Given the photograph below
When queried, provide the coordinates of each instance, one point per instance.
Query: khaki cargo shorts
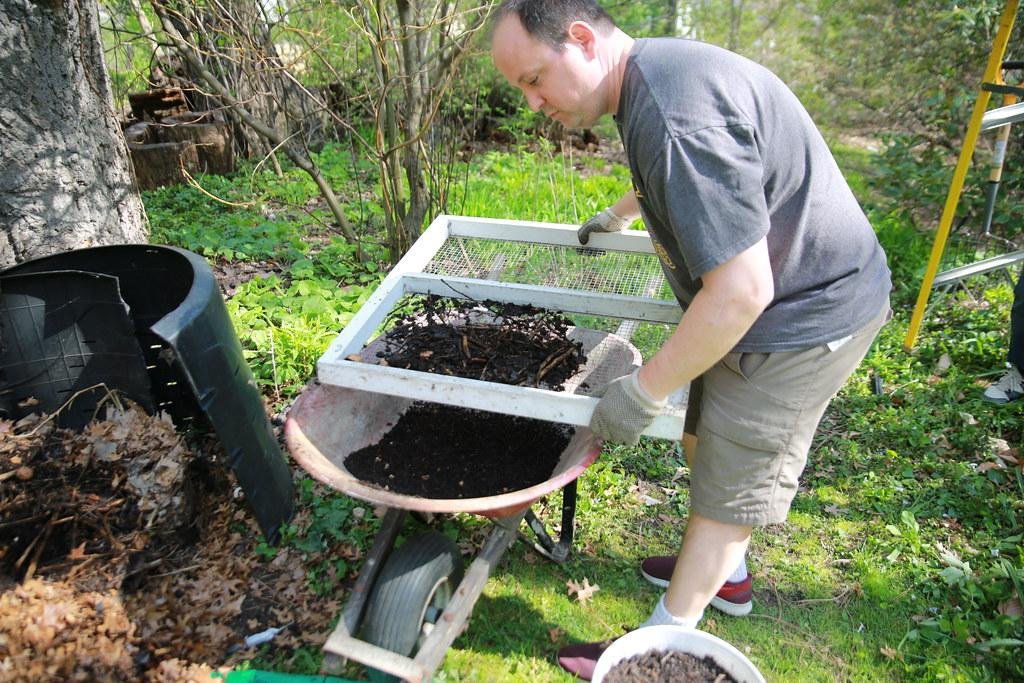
(754, 415)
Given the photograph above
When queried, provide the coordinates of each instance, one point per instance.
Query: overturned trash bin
(149, 322)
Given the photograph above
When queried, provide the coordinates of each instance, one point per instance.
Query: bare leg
(689, 447)
(711, 552)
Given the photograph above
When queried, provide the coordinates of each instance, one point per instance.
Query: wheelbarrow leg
(342, 644)
(355, 607)
(456, 614)
(557, 551)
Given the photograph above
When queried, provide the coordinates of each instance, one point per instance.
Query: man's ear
(581, 33)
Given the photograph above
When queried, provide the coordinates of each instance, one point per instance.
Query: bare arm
(731, 298)
(626, 207)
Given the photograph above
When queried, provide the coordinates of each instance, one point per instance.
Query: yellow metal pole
(993, 73)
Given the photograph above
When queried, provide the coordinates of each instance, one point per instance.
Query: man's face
(564, 85)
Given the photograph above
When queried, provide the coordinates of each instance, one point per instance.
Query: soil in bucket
(673, 666)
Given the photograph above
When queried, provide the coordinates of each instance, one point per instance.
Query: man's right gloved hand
(624, 411)
(606, 221)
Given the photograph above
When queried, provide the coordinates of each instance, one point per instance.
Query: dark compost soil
(491, 341)
(438, 451)
(659, 666)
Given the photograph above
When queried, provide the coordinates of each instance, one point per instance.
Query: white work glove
(624, 411)
(606, 221)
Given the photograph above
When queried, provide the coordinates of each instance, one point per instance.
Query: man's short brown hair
(548, 20)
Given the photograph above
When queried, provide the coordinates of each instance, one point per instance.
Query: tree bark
(65, 177)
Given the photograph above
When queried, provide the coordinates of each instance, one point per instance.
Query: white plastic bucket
(690, 641)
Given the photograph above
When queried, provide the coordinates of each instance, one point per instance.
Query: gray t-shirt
(722, 153)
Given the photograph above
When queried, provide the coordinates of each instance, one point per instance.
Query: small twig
(28, 550)
(16, 522)
(54, 414)
(147, 566)
(78, 567)
(106, 507)
(177, 571)
(194, 183)
(38, 553)
(553, 360)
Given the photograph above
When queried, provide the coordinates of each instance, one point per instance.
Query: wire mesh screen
(529, 263)
(577, 268)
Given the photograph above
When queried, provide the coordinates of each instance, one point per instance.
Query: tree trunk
(65, 178)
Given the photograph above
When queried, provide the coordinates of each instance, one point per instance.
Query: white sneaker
(1010, 387)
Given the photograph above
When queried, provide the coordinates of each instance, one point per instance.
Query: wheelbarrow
(410, 603)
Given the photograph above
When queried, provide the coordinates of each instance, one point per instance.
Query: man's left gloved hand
(606, 221)
(624, 411)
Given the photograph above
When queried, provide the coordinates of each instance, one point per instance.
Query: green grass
(538, 185)
(900, 561)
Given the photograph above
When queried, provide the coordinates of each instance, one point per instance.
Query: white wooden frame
(407, 277)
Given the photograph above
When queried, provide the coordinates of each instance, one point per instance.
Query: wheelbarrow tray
(327, 423)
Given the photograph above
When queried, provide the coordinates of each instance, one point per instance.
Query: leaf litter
(125, 556)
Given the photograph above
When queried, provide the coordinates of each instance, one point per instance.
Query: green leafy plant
(285, 327)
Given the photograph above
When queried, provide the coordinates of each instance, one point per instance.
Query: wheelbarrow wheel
(415, 584)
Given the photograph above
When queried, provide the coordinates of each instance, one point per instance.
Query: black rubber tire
(422, 573)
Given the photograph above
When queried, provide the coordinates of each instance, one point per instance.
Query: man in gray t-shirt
(783, 282)
(722, 155)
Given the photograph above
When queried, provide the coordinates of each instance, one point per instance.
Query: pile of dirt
(659, 666)
(437, 451)
(125, 555)
(490, 341)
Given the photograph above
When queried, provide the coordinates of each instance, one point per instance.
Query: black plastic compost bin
(150, 322)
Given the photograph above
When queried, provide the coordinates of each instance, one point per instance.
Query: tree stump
(140, 133)
(160, 164)
(211, 138)
(153, 105)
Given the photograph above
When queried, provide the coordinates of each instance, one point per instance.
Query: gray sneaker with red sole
(732, 598)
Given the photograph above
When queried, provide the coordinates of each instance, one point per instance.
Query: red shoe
(580, 660)
(732, 598)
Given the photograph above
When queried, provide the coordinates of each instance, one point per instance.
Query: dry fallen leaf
(890, 653)
(968, 419)
(555, 634)
(1004, 451)
(1011, 608)
(582, 592)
